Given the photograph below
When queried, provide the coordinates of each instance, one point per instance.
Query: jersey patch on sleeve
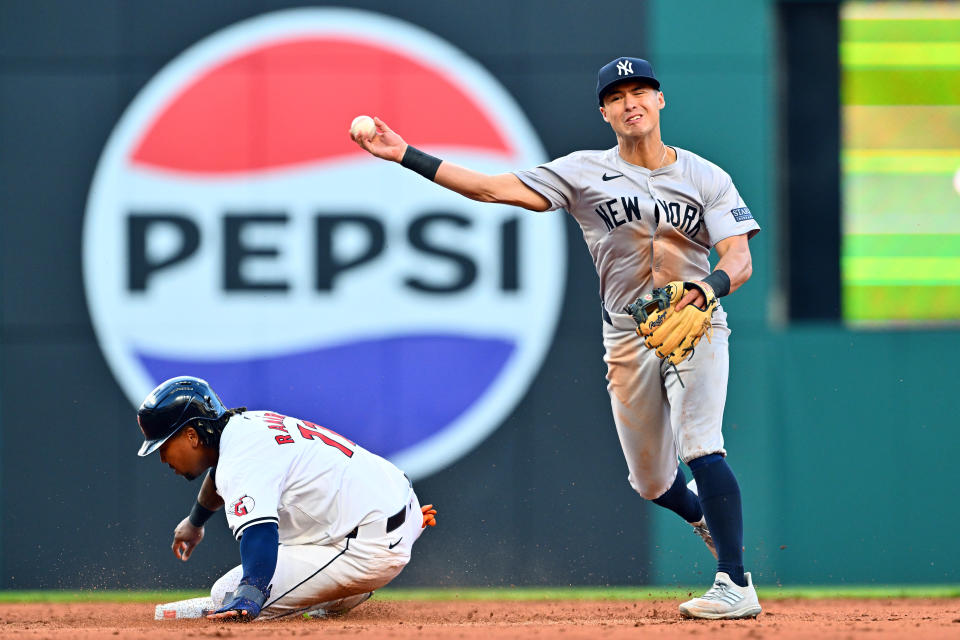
(242, 506)
(741, 214)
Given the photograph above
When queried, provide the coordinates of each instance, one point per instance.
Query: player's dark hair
(209, 431)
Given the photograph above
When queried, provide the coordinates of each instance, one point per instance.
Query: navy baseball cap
(624, 69)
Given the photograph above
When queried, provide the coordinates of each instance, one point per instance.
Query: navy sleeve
(258, 554)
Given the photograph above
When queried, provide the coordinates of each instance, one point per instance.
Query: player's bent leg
(223, 588)
(681, 500)
(336, 608)
(640, 412)
(309, 575)
(339, 576)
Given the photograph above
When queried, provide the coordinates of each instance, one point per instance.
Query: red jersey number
(312, 431)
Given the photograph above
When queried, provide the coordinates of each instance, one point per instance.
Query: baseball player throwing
(321, 521)
(650, 214)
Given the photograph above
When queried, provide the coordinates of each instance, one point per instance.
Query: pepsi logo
(234, 232)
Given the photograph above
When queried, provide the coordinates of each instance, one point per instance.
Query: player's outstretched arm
(735, 262)
(504, 188)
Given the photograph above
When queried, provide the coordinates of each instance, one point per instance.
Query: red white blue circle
(234, 232)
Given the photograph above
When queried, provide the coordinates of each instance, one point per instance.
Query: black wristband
(420, 162)
(199, 514)
(719, 281)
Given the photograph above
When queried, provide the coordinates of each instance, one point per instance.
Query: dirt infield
(567, 619)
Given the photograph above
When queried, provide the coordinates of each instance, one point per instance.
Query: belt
(606, 316)
(393, 522)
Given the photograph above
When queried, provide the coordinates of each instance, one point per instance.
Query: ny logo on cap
(624, 68)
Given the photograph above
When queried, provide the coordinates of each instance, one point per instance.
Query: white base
(181, 609)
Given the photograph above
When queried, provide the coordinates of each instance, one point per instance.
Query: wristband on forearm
(420, 162)
(719, 281)
(199, 514)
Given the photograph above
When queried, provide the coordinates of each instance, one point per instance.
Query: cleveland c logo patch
(243, 506)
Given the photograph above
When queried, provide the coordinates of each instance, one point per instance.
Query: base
(182, 609)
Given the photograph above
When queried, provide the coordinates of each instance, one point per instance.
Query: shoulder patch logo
(243, 506)
(741, 214)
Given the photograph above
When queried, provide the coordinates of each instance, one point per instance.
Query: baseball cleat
(700, 528)
(724, 601)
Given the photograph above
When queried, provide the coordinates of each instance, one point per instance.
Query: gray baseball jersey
(643, 228)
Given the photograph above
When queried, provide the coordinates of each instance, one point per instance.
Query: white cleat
(724, 601)
(700, 528)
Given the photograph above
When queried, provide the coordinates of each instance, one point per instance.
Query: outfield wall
(839, 438)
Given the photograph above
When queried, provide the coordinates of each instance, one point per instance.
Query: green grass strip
(517, 594)
(902, 244)
(667, 593)
(901, 86)
(911, 304)
(53, 595)
(864, 55)
(902, 271)
(901, 30)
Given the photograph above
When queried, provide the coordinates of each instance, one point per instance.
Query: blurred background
(179, 196)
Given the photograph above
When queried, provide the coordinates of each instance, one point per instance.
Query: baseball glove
(673, 334)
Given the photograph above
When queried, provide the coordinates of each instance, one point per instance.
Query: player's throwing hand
(383, 144)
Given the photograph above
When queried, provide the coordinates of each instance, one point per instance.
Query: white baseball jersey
(314, 483)
(643, 228)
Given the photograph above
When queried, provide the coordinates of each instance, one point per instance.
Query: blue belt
(606, 316)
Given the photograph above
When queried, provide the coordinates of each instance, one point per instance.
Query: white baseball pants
(657, 418)
(310, 576)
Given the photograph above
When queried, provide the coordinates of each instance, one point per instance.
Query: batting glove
(247, 602)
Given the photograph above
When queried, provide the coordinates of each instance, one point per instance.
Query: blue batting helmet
(174, 404)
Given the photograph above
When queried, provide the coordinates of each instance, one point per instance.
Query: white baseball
(363, 126)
